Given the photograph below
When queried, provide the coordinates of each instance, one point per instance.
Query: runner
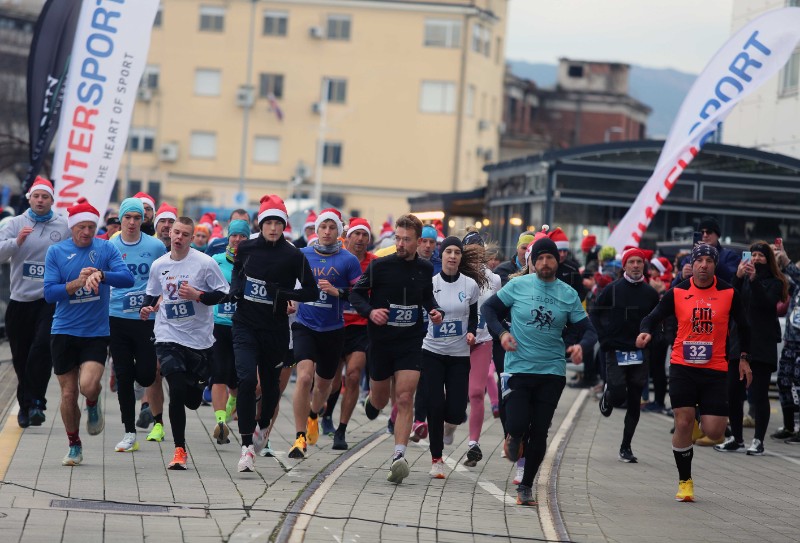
(391, 294)
(190, 284)
(25, 239)
(265, 273)
(78, 275)
(704, 306)
(131, 341)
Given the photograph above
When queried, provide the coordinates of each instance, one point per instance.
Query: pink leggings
(480, 360)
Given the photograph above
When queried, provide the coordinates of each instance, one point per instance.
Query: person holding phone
(709, 232)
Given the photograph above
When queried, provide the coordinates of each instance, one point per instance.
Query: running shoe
(525, 496)
(438, 469)
(794, 440)
(95, 422)
(390, 426)
(419, 430)
(206, 395)
(221, 432)
(260, 438)
(128, 443)
(518, 475)
(267, 451)
(312, 431)
(145, 418)
(685, 491)
(449, 432)
(706, 441)
(730, 445)
(339, 441)
(246, 461)
(157, 433)
(370, 410)
(327, 426)
(756, 448)
(782, 433)
(36, 413)
(626, 455)
(23, 417)
(474, 455)
(605, 407)
(230, 408)
(178, 460)
(74, 456)
(299, 449)
(399, 470)
(514, 448)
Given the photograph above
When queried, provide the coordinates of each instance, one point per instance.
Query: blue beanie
(429, 232)
(240, 227)
(131, 205)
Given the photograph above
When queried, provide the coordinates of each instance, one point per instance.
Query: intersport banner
(749, 58)
(48, 62)
(108, 58)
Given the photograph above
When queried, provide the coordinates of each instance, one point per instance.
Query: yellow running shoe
(312, 430)
(298, 450)
(685, 491)
(157, 433)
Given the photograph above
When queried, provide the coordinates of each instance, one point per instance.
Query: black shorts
(703, 388)
(288, 360)
(356, 339)
(386, 357)
(223, 365)
(324, 348)
(70, 352)
(196, 363)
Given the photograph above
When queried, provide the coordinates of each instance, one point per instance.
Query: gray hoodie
(27, 260)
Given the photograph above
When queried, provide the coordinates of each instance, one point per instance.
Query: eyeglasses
(708, 232)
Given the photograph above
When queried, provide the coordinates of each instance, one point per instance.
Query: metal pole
(323, 111)
(246, 108)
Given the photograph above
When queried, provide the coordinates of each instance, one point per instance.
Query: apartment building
(405, 96)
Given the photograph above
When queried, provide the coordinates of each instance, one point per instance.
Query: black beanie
(448, 241)
(542, 246)
(710, 223)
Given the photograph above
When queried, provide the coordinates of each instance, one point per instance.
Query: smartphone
(746, 255)
(697, 238)
(779, 243)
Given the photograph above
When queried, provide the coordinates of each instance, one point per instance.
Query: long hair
(473, 261)
(764, 248)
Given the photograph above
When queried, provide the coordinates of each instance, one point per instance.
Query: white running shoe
(246, 461)
(449, 431)
(95, 422)
(398, 471)
(267, 451)
(128, 443)
(438, 470)
(260, 438)
(518, 477)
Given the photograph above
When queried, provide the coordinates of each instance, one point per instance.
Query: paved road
(333, 496)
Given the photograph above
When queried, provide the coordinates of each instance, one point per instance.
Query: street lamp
(612, 130)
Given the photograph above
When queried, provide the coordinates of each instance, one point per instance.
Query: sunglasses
(709, 232)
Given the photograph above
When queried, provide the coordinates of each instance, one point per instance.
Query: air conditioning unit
(144, 94)
(316, 32)
(488, 155)
(316, 108)
(168, 152)
(483, 125)
(245, 96)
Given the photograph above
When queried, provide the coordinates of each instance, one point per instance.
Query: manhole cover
(108, 506)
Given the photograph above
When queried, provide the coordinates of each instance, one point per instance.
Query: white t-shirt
(178, 320)
(486, 292)
(450, 336)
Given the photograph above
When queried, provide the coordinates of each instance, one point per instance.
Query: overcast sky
(680, 34)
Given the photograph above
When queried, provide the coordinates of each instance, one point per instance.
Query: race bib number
(447, 329)
(697, 352)
(226, 310)
(425, 316)
(33, 271)
(133, 302)
(481, 321)
(630, 358)
(255, 290)
(84, 295)
(322, 301)
(403, 315)
(179, 310)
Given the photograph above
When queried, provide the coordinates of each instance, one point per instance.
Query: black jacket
(760, 298)
(618, 311)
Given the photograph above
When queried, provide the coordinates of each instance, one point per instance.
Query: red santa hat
(208, 220)
(560, 239)
(357, 223)
(312, 239)
(311, 220)
(146, 199)
(662, 264)
(386, 230)
(272, 206)
(330, 214)
(287, 232)
(588, 243)
(82, 211)
(633, 251)
(166, 211)
(40, 183)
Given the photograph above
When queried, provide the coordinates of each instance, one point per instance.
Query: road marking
(783, 457)
(9, 439)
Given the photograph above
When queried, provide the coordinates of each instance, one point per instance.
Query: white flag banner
(109, 55)
(747, 60)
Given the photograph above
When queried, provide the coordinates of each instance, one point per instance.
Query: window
(790, 75)
(498, 51)
(338, 27)
(142, 140)
(207, 82)
(203, 145)
(481, 39)
(150, 77)
(575, 70)
(442, 33)
(332, 154)
(159, 20)
(134, 186)
(337, 91)
(470, 102)
(437, 97)
(267, 150)
(270, 84)
(212, 18)
(275, 23)
(154, 190)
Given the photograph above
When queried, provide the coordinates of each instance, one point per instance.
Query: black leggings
(759, 398)
(626, 383)
(134, 356)
(446, 394)
(529, 412)
(182, 394)
(498, 359)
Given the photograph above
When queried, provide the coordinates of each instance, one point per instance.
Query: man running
(78, 275)
(704, 306)
(25, 240)
(191, 284)
(391, 294)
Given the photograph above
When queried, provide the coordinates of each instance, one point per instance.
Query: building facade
(377, 99)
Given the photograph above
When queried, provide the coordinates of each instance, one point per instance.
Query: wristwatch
(744, 356)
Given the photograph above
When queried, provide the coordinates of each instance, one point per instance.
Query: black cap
(710, 223)
(543, 245)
